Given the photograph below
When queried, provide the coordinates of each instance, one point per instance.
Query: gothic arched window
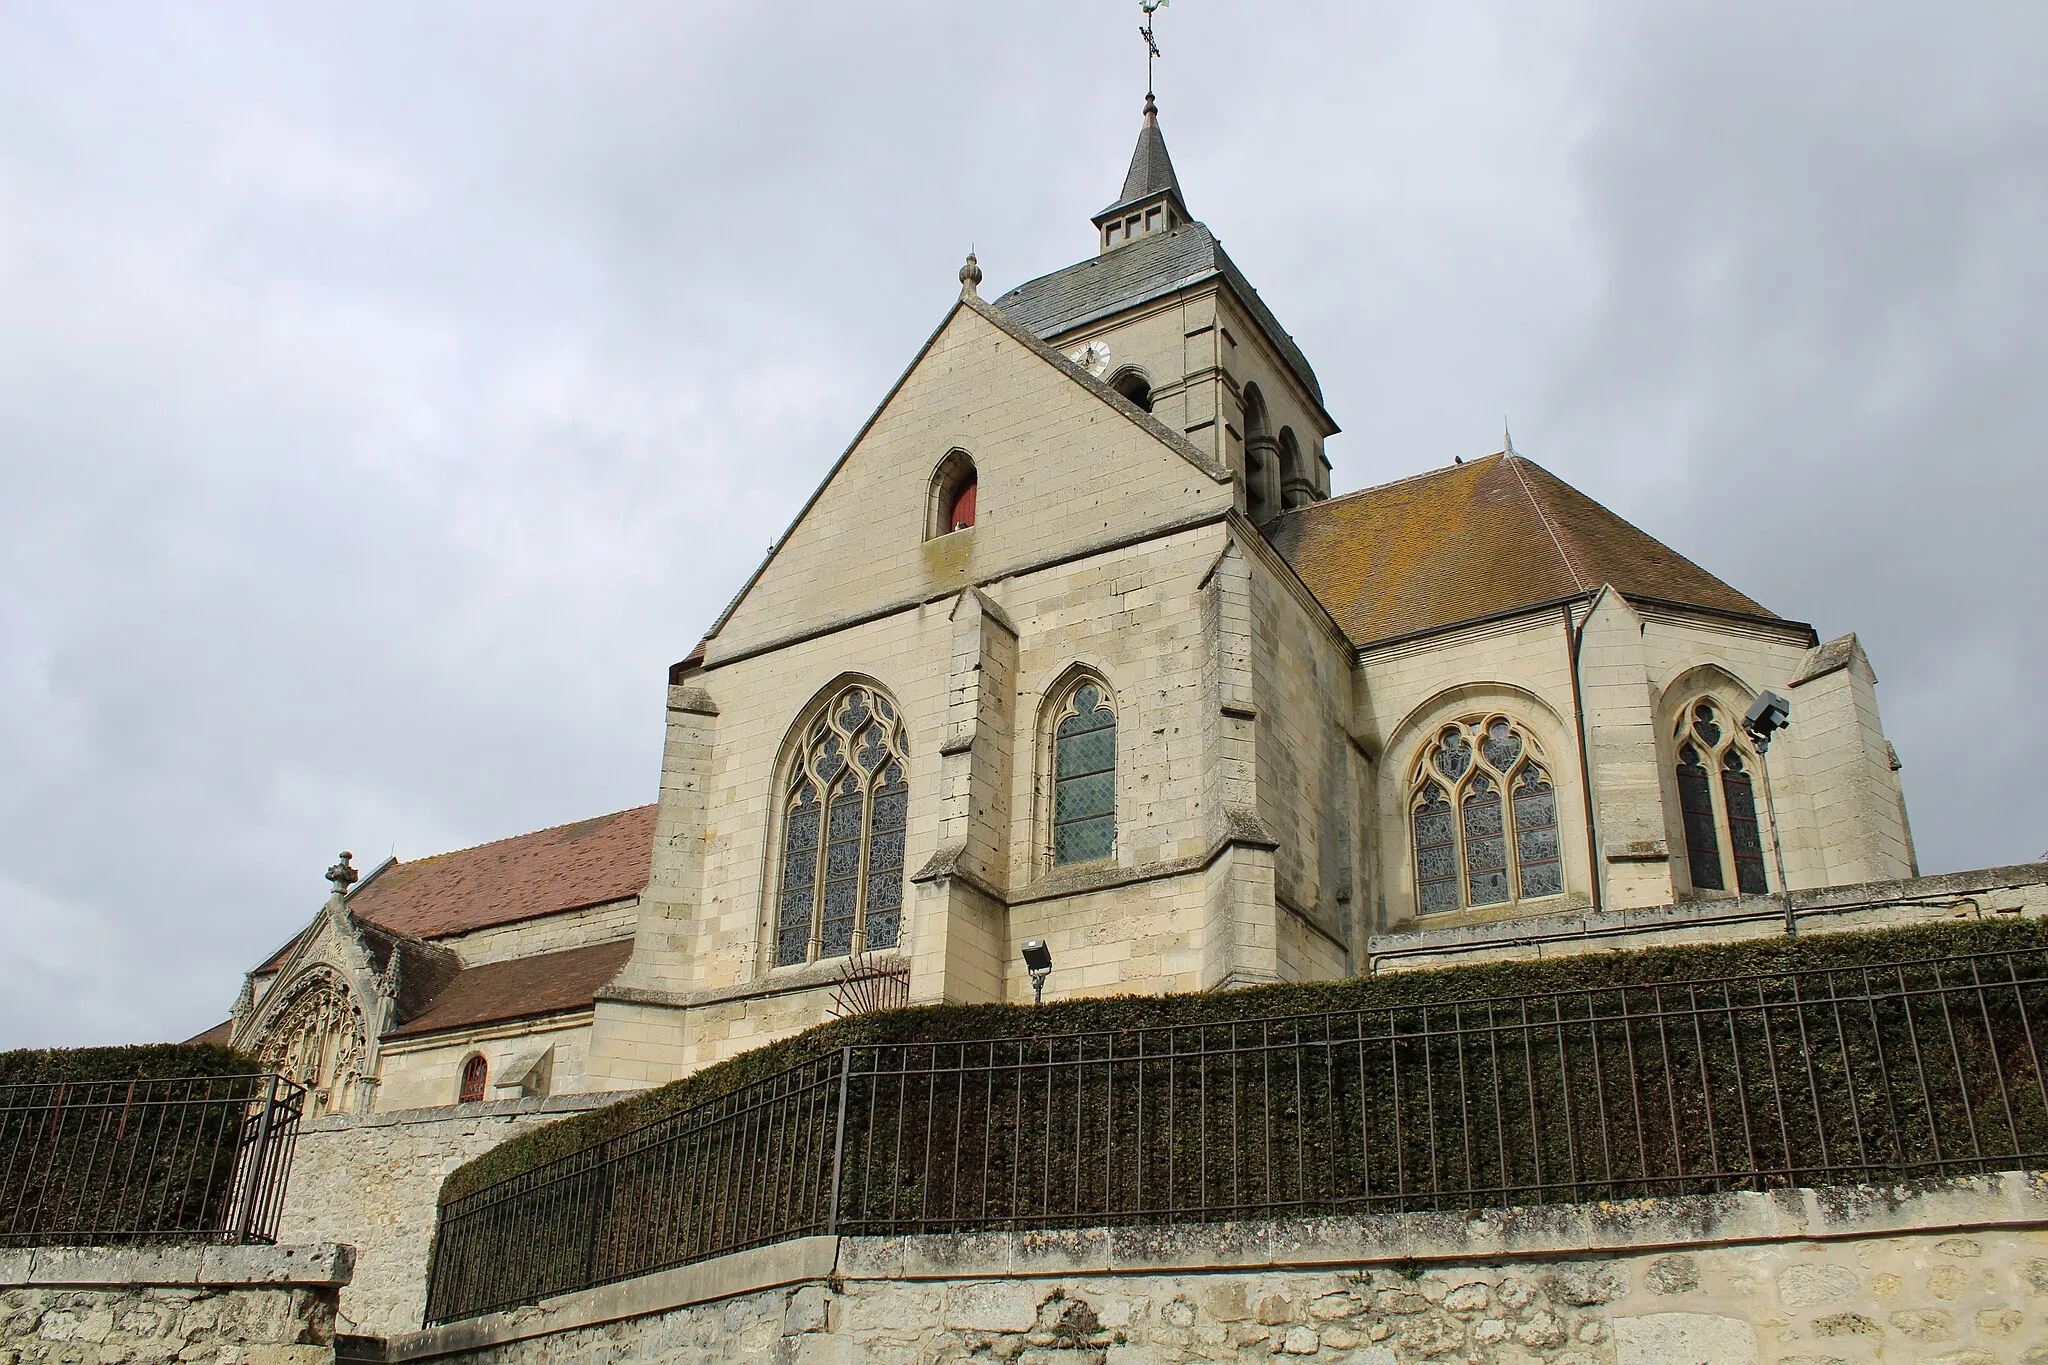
(845, 810)
(1717, 803)
(475, 1072)
(1084, 776)
(1483, 816)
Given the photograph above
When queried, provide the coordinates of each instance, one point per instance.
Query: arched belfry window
(1133, 385)
(1261, 459)
(1717, 802)
(1084, 775)
(846, 805)
(475, 1072)
(1483, 815)
(954, 495)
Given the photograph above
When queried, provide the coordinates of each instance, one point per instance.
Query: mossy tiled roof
(1478, 539)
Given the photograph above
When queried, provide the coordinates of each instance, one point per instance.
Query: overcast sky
(388, 393)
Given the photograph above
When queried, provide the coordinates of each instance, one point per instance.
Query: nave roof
(1476, 540)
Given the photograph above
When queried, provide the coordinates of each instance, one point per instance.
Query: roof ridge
(1438, 472)
(1515, 462)
(423, 859)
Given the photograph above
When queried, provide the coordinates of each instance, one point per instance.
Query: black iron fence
(191, 1159)
(1826, 1076)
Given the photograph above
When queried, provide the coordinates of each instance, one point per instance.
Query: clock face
(1094, 358)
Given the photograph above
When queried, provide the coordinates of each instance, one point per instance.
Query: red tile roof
(1475, 540)
(549, 983)
(218, 1034)
(546, 872)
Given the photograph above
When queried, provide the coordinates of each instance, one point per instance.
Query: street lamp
(1767, 715)
(1038, 962)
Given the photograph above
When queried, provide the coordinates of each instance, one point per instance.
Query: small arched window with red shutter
(954, 495)
(474, 1073)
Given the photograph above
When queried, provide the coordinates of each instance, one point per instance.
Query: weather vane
(1145, 32)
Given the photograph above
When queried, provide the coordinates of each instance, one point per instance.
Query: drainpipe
(1572, 639)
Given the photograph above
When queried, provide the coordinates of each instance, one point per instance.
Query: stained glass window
(844, 822)
(1484, 819)
(1723, 842)
(1536, 847)
(1696, 806)
(1084, 779)
(1436, 851)
(1744, 840)
(885, 858)
(1486, 845)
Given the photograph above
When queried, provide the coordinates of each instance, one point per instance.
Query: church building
(1073, 643)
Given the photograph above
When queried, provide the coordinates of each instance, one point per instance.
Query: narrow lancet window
(844, 821)
(1084, 779)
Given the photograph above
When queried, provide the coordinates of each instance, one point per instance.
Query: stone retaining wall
(374, 1182)
(1954, 1273)
(245, 1305)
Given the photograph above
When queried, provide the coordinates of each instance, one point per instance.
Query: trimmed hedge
(155, 1061)
(118, 1143)
(933, 1023)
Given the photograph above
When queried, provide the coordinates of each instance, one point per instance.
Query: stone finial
(970, 277)
(343, 874)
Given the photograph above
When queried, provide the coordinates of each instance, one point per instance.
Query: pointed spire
(1151, 168)
(1149, 184)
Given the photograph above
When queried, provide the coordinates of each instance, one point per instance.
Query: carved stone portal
(316, 1037)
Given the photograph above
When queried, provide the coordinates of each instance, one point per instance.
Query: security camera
(1768, 714)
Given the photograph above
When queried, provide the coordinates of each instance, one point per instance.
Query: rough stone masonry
(1951, 1273)
(203, 1304)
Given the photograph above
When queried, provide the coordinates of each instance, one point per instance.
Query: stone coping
(319, 1265)
(2011, 1201)
(573, 1103)
(1431, 943)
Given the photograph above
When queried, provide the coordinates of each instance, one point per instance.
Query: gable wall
(1520, 667)
(1837, 801)
(1060, 470)
(1840, 813)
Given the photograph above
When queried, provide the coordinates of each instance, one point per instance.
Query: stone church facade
(1073, 643)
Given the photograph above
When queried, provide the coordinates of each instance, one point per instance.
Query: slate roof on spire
(1477, 540)
(1151, 168)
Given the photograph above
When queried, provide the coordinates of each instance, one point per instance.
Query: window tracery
(1717, 803)
(1483, 819)
(317, 1038)
(1084, 776)
(844, 819)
